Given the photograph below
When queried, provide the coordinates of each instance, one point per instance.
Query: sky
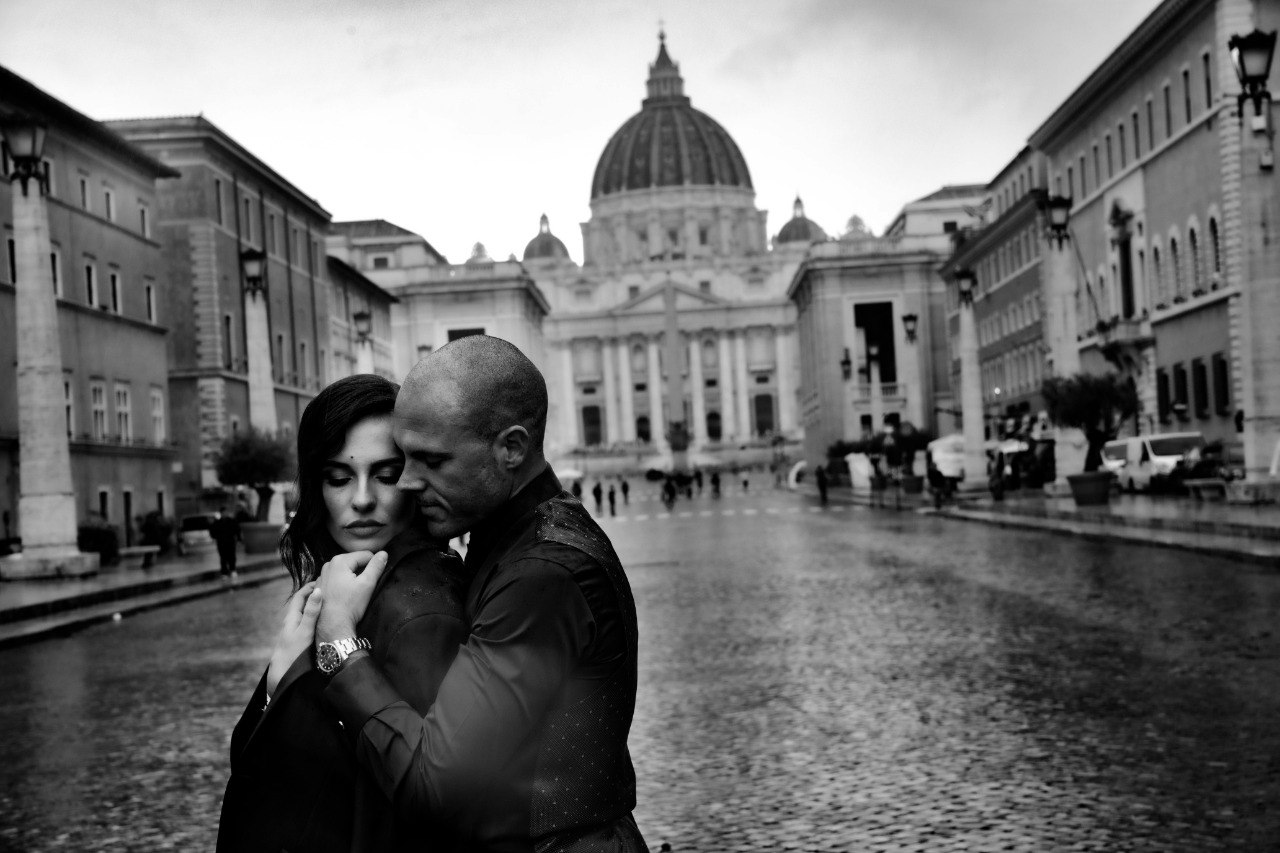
(466, 120)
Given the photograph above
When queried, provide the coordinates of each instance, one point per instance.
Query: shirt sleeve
(526, 634)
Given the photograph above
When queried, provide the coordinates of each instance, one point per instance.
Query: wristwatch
(330, 656)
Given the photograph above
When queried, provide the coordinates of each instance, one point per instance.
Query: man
(225, 531)
(821, 476)
(526, 745)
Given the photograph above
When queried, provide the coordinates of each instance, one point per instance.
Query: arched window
(714, 428)
(642, 429)
(1195, 260)
(1215, 245)
(1177, 267)
(1157, 278)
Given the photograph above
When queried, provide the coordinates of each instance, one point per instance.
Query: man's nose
(411, 480)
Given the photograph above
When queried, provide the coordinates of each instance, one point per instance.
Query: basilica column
(262, 386)
(740, 380)
(657, 424)
(610, 392)
(569, 410)
(782, 340)
(728, 411)
(696, 389)
(626, 391)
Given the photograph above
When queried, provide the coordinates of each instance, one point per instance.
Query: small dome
(668, 143)
(545, 245)
(800, 228)
(479, 255)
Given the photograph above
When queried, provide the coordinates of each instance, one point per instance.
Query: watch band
(331, 656)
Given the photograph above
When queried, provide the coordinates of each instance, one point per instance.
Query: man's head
(470, 419)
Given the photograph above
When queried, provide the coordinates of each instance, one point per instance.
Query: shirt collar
(488, 532)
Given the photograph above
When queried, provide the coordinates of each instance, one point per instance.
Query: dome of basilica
(668, 143)
(800, 228)
(545, 244)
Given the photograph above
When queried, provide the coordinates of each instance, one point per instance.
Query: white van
(1142, 462)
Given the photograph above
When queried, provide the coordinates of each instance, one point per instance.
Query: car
(193, 532)
(1149, 462)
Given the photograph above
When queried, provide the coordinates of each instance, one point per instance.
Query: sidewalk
(1249, 533)
(31, 609)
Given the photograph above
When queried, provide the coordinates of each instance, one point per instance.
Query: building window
(1120, 144)
(98, 409)
(1097, 167)
(582, 295)
(1215, 246)
(228, 343)
(1177, 267)
(144, 223)
(1200, 388)
(84, 193)
(68, 403)
(381, 262)
(1082, 173)
(704, 236)
(1195, 260)
(454, 334)
(159, 433)
(109, 204)
(13, 262)
(90, 285)
(704, 287)
(1208, 81)
(1157, 279)
(1180, 391)
(1071, 180)
(280, 362)
(1186, 94)
(1151, 126)
(1168, 113)
(151, 303)
(55, 270)
(1137, 141)
(247, 225)
(114, 278)
(217, 201)
(104, 504)
(1110, 164)
(271, 233)
(592, 432)
(1221, 384)
(302, 362)
(124, 423)
(633, 290)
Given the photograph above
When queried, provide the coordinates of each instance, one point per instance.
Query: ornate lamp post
(909, 325)
(363, 323)
(1060, 288)
(46, 500)
(975, 455)
(1251, 55)
(257, 330)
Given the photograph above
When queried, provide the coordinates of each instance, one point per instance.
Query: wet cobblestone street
(839, 679)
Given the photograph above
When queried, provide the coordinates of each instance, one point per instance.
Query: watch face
(327, 658)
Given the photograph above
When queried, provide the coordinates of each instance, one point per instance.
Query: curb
(66, 615)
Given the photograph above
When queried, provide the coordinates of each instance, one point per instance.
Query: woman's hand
(348, 581)
(296, 633)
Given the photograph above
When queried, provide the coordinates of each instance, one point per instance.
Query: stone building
(244, 352)
(872, 324)
(115, 312)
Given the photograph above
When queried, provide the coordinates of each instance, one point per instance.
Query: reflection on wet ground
(853, 681)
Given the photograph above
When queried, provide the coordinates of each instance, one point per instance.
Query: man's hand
(297, 632)
(347, 591)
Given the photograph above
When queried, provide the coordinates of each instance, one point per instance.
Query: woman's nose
(363, 498)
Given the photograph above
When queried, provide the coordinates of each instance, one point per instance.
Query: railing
(895, 390)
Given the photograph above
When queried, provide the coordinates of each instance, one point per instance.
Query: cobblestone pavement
(839, 679)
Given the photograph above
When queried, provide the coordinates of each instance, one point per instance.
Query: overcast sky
(465, 120)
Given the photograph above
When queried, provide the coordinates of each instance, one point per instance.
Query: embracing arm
(525, 637)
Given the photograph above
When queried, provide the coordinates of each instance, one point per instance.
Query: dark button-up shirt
(527, 741)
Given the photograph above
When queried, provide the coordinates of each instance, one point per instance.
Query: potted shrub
(258, 460)
(1097, 406)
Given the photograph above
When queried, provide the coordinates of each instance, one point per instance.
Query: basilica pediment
(653, 300)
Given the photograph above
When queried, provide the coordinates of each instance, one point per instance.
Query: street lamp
(363, 321)
(846, 365)
(252, 262)
(24, 143)
(966, 281)
(1251, 55)
(909, 324)
(1059, 209)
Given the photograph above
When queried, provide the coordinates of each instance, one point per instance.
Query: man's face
(453, 472)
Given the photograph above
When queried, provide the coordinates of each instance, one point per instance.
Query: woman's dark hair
(306, 544)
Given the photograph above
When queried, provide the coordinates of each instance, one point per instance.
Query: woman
(294, 782)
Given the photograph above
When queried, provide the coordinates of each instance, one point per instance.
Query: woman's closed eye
(336, 481)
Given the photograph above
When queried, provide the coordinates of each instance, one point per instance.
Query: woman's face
(365, 509)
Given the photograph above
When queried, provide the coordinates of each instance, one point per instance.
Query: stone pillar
(657, 421)
(740, 382)
(1060, 305)
(364, 355)
(728, 408)
(697, 390)
(262, 385)
(569, 409)
(975, 453)
(783, 340)
(610, 392)
(626, 391)
(46, 499)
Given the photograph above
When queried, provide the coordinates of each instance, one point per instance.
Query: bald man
(526, 745)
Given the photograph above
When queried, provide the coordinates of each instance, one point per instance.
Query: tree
(855, 227)
(255, 459)
(1096, 405)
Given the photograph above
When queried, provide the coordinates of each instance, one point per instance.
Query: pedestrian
(597, 492)
(821, 476)
(715, 484)
(295, 783)
(553, 634)
(626, 492)
(746, 482)
(613, 500)
(225, 531)
(576, 488)
(697, 479)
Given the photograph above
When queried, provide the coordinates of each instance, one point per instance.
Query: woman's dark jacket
(294, 782)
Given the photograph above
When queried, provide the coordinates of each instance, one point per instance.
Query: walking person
(597, 492)
(225, 531)
(626, 492)
(613, 500)
(553, 639)
(295, 783)
(821, 477)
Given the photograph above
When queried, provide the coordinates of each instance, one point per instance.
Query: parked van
(1146, 462)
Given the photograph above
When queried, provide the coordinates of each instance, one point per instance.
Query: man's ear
(511, 447)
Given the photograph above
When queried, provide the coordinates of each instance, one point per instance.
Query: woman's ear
(511, 447)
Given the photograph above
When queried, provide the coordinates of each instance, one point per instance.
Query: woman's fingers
(311, 612)
(298, 601)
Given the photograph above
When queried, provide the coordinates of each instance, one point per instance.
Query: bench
(144, 555)
(1207, 489)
